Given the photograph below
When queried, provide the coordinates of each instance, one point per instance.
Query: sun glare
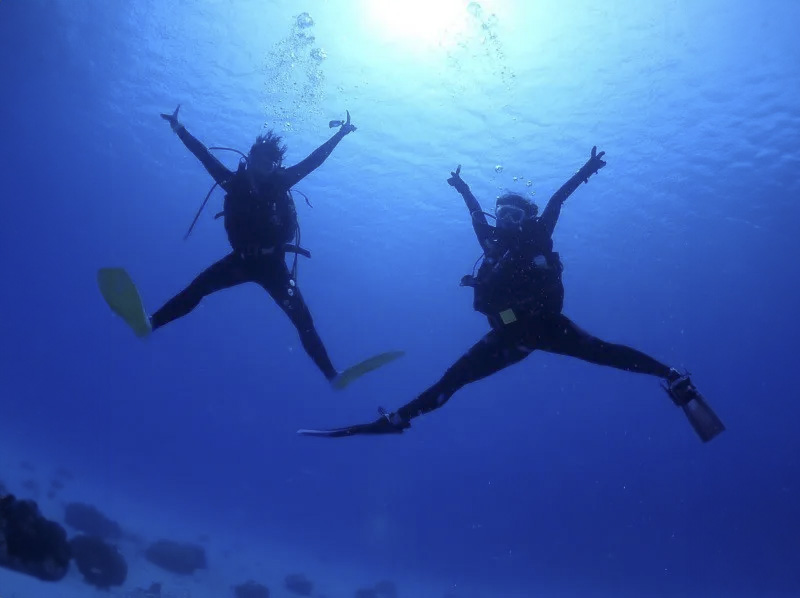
(426, 23)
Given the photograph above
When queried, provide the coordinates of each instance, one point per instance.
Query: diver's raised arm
(213, 166)
(479, 223)
(553, 209)
(295, 174)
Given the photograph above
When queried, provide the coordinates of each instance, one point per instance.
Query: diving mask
(509, 215)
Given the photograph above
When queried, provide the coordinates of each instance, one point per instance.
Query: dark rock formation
(176, 557)
(31, 544)
(299, 584)
(251, 589)
(89, 520)
(100, 564)
(382, 589)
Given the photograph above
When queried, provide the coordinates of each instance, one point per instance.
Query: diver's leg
(495, 351)
(227, 272)
(559, 334)
(275, 279)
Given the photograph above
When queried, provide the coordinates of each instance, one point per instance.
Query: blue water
(554, 477)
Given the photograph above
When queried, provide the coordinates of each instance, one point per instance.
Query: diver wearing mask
(261, 224)
(519, 289)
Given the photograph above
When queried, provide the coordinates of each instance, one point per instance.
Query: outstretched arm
(553, 209)
(213, 166)
(295, 174)
(479, 222)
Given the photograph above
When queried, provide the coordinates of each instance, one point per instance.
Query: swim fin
(123, 298)
(351, 374)
(387, 423)
(702, 418)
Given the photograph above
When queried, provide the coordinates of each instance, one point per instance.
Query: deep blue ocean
(553, 477)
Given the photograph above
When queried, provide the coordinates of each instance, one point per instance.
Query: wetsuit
(256, 259)
(519, 288)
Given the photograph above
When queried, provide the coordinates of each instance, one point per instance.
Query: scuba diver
(519, 288)
(261, 223)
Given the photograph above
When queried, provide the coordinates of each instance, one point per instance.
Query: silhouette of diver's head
(512, 210)
(266, 154)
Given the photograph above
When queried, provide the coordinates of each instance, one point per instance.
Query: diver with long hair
(261, 224)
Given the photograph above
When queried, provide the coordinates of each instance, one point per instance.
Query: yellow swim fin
(123, 298)
(355, 372)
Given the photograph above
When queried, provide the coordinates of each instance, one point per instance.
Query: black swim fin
(702, 418)
(387, 423)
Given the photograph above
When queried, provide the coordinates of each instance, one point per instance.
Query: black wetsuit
(520, 280)
(261, 261)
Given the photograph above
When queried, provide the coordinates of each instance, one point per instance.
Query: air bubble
(304, 20)
(475, 9)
